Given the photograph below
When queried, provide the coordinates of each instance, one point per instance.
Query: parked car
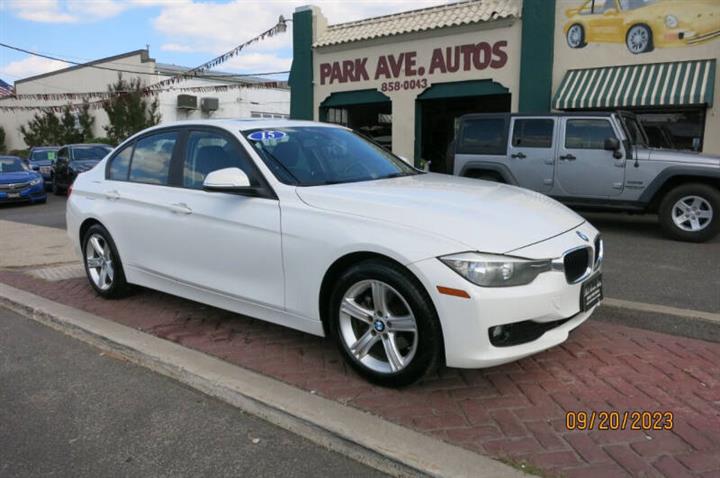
(595, 161)
(18, 183)
(310, 226)
(642, 24)
(74, 159)
(41, 159)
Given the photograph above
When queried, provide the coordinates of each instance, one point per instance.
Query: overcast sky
(183, 32)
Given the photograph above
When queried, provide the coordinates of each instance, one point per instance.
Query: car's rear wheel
(690, 213)
(639, 39)
(385, 325)
(102, 263)
(576, 36)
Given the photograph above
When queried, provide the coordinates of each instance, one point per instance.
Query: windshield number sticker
(269, 137)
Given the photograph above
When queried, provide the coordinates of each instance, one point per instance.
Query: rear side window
(587, 133)
(120, 164)
(151, 159)
(533, 133)
(483, 136)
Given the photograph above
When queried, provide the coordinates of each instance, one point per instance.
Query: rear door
(584, 167)
(531, 156)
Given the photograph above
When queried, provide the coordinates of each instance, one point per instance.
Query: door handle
(568, 157)
(520, 155)
(112, 195)
(180, 208)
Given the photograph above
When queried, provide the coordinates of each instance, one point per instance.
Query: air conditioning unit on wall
(186, 102)
(209, 105)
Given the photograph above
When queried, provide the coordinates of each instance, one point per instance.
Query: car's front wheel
(385, 324)
(690, 212)
(576, 36)
(102, 263)
(639, 39)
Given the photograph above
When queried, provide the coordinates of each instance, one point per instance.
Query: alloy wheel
(98, 258)
(692, 213)
(575, 36)
(378, 327)
(638, 39)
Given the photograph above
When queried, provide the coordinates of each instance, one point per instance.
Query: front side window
(120, 164)
(151, 160)
(483, 136)
(533, 133)
(316, 155)
(587, 133)
(209, 151)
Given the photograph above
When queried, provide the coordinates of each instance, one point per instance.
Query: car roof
(243, 124)
(7, 156)
(86, 144)
(537, 115)
(43, 148)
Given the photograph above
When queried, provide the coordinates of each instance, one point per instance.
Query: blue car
(18, 183)
(42, 159)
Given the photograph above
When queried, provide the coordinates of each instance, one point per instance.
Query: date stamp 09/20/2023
(617, 420)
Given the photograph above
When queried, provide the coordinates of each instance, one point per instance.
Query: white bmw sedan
(313, 227)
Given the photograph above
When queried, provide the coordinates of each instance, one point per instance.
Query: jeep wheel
(576, 36)
(690, 213)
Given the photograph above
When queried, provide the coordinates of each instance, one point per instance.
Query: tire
(639, 39)
(691, 212)
(576, 36)
(416, 353)
(114, 285)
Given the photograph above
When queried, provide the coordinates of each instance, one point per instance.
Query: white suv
(310, 226)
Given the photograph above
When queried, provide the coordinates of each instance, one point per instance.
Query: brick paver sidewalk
(515, 411)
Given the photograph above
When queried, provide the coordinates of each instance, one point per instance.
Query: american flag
(6, 90)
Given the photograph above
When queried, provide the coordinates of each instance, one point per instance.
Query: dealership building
(405, 78)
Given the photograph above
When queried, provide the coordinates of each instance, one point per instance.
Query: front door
(606, 22)
(531, 155)
(584, 167)
(227, 243)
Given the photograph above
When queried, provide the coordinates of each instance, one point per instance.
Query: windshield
(11, 165)
(44, 155)
(635, 130)
(315, 155)
(90, 153)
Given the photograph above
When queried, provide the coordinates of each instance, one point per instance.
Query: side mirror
(612, 144)
(227, 180)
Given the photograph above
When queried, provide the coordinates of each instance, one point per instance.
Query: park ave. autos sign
(405, 65)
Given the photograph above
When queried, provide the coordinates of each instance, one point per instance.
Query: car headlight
(671, 21)
(36, 181)
(490, 270)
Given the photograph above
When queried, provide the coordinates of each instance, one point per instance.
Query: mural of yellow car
(643, 24)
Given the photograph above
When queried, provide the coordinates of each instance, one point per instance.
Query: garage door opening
(367, 111)
(438, 109)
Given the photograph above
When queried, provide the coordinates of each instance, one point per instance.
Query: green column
(536, 58)
(301, 71)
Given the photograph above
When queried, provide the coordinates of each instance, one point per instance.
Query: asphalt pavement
(640, 263)
(69, 410)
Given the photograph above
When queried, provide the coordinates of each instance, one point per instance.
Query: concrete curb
(663, 309)
(364, 437)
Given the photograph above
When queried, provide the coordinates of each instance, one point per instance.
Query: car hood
(41, 162)
(18, 177)
(672, 155)
(481, 215)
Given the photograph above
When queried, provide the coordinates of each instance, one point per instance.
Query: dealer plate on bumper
(591, 292)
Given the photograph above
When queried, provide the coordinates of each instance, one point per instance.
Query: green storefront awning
(653, 84)
(350, 98)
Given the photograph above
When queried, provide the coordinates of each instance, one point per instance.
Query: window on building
(484, 136)
(587, 133)
(337, 116)
(681, 129)
(208, 151)
(533, 133)
(151, 160)
(120, 164)
(262, 115)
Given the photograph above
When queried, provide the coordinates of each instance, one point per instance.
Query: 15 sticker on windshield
(268, 137)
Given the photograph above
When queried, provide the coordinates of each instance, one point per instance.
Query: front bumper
(30, 194)
(466, 323)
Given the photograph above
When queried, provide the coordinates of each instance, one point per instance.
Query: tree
(128, 109)
(3, 148)
(86, 121)
(77, 126)
(43, 129)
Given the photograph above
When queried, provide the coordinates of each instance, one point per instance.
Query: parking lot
(640, 264)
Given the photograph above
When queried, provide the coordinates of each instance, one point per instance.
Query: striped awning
(653, 84)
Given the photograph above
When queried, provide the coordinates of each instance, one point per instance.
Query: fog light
(498, 334)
